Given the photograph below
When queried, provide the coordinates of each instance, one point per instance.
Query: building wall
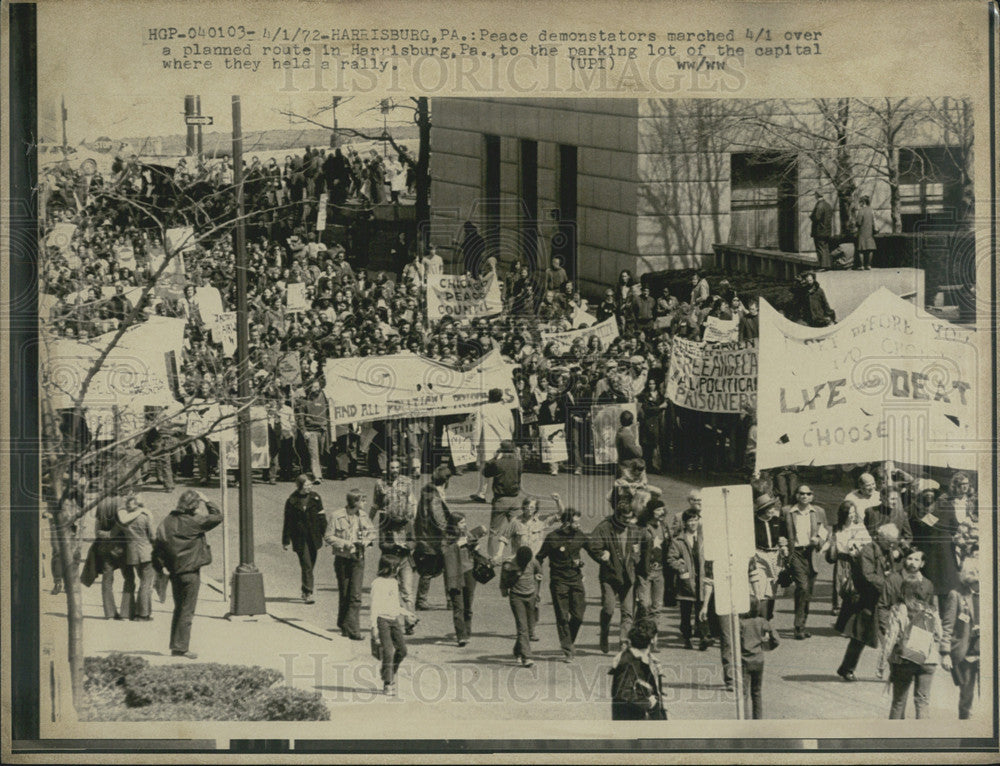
(655, 188)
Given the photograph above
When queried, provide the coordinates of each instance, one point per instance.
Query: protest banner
(224, 331)
(713, 378)
(721, 330)
(133, 375)
(125, 257)
(607, 331)
(295, 297)
(553, 443)
(462, 297)
(260, 457)
(171, 282)
(889, 382)
(321, 215)
(289, 369)
(407, 385)
(209, 303)
(581, 318)
(605, 420)
(728, 529)
(462, 440)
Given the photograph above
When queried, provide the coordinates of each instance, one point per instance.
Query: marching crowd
(900, 552)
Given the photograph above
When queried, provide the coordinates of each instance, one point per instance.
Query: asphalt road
(482, 680)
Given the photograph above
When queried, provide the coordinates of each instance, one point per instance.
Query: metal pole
(734, 621)
(248, 581)
(189, 111)
(223, 476)
(197, 136)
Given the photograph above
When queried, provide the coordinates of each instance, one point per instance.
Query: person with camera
(351, 533)
(181, 549)
(636, 678)
(563, 548)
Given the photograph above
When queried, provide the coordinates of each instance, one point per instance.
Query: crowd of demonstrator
(648, 557)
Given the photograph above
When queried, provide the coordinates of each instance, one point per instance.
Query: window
(929, 186)
(763, 202)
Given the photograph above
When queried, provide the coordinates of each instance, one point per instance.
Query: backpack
(917, 644)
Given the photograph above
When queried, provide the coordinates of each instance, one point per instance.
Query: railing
(766, 262)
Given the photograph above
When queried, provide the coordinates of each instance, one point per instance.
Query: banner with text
(711, 377)
(721, 330)
(462, 297)
(553, 443)
(607, 331)
(463, 440)
(605, 421)
(406, 385)
(889, 382)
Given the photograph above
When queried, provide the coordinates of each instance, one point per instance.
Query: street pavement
(440, 682)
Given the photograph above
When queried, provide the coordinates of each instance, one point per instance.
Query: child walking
(519, 581)
(756, 637)
(387, 627)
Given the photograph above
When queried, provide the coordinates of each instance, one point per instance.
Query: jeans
(649, 595)
(461, 607)
(307, 560)
(185, 588)
(804, 575)
(523, 608)
(350, 578)
(726, 647)
(390, 635)
(141, 605)
(569, 602)
(901, 676)
(851, 656)
(405, 577)
(624, 598)
(753, 687)
(690, 609)
(312, 443)
(108, 590)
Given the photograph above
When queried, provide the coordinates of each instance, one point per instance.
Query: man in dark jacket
(109, 545)
(626, 442)
(812, 307)
(429, 530)
(304, 529)
(636, 685)
(616, 545)
(822, 230)
(180, 548)
(505, 470)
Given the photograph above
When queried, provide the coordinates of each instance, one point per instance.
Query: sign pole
(223, 476)
(734, 620)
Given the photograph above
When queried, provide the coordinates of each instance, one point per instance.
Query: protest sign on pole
(180, 239)
(462, 297)
(462, 440)
(727, 528)
(887, 382)
(227, 433)
(321, 215)
(721, 330)
(407, 385)
(605, 421)
(295, 297)
(713, 378)
(606, 331)
(61, 236)
(553, 443)
(224, 331)
(289, 369)
(209, 302)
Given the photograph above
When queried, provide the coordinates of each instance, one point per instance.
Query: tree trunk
(423, 207)
(64, 542)
(892, 176)
(844, 181)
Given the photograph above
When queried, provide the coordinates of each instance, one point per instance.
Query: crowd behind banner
(646, 361)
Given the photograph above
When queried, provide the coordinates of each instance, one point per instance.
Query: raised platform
(845, 290)
(762, 261)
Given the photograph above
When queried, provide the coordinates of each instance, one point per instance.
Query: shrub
(112, 670)
(284, 703)
(209, 684)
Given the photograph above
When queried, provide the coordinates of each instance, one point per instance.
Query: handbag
(785, 578)
(482, 569)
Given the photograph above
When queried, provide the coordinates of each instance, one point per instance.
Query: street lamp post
(248, 581)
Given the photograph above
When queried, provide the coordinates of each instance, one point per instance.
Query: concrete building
(648, 185)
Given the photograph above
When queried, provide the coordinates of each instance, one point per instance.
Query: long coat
(682, 560)
(866, 229)
(859, 616)
(937, 544)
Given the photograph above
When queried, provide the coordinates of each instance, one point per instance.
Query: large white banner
(462, 297)
(607, 331)
(407, 385)
(889, 382)
(713, 378)
(463, 440)
(133, 375)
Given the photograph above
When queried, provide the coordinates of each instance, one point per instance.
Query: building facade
(648, 185)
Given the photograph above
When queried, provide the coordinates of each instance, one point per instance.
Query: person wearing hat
(806, 530)
(934, 527)
(821, 229)
(181, 549)
(771, 545)
(304, 527)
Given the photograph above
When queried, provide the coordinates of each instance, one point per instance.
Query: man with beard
(616, 545)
